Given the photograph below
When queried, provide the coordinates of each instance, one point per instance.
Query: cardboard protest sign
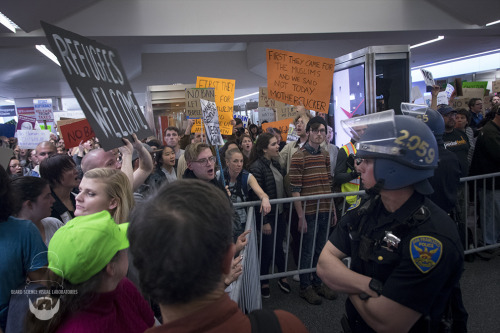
(224, 99)
(97, 79)
(75, 132)
(30, 139)
(266, 114)
(5, 155)
(286, 112)
(473, 92)
(266, 102)
(25, 122)
(193, 105)
(211, 120)
(428, 79)
(295, 78)
(495, 86)
(282, 125)
(461, 103)
(43, 110)
(7, 110)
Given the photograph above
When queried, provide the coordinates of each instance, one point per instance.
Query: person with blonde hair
(105, 189)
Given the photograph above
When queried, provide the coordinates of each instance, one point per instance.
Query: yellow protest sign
(295, 78)
(224, 99)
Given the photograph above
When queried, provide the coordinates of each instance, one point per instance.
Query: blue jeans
(316, 237)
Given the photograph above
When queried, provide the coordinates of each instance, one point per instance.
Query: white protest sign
(449, 90)
(266, 114)
(429, 80)
(442, 98)
(244, 119)
(292, 134)
(416, 93)
(43, 110)
(211, 120)
(30, 139)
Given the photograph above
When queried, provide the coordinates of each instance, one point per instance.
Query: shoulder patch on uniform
(425, 252)
(355, 204)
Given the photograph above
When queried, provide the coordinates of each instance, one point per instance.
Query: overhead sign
(428, 79)
(43, 110)
(224, 99)
(282, 125)
(96, 76)
(266, 102)
(75, 132)
(7, 110)
(295, 78)
(211, 120)
(193, 105)
(30, 139)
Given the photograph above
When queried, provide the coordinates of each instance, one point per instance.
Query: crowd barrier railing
(476, 191)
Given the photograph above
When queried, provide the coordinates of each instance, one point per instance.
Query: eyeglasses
(206, 161)
(316, 131)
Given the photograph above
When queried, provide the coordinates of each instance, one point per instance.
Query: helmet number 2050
(416, 143)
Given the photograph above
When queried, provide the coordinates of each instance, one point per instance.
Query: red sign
(76, 132)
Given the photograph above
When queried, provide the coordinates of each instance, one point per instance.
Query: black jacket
(261, 170)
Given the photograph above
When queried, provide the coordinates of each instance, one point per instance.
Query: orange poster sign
(293, 78)
(282, 125)
(224, 99)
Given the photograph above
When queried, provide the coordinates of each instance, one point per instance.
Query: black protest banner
(96, 76)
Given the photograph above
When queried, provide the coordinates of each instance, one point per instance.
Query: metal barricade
(247, 289)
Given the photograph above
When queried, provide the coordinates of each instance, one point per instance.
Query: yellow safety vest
(353, 184)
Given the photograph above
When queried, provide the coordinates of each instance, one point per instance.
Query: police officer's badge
(425, 252)
(355, 204)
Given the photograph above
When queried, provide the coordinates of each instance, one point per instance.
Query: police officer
(406, 255)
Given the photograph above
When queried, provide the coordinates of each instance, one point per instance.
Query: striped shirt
(310, 175)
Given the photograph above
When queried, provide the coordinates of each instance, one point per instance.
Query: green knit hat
(85, 245)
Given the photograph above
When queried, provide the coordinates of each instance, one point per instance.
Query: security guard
(406, 255)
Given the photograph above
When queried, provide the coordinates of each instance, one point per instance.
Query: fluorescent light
(458, 58)
(428, 42)
(8, 23)
(46, 52)
(9, 101)
(255, 93)
(458, 67)
(491, 23)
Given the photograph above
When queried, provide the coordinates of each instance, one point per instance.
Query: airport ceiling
(173, 41)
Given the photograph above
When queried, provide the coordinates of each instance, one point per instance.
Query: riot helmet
(404, 149)
(430, 117)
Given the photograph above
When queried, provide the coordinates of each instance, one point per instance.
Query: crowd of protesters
(76, 203)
